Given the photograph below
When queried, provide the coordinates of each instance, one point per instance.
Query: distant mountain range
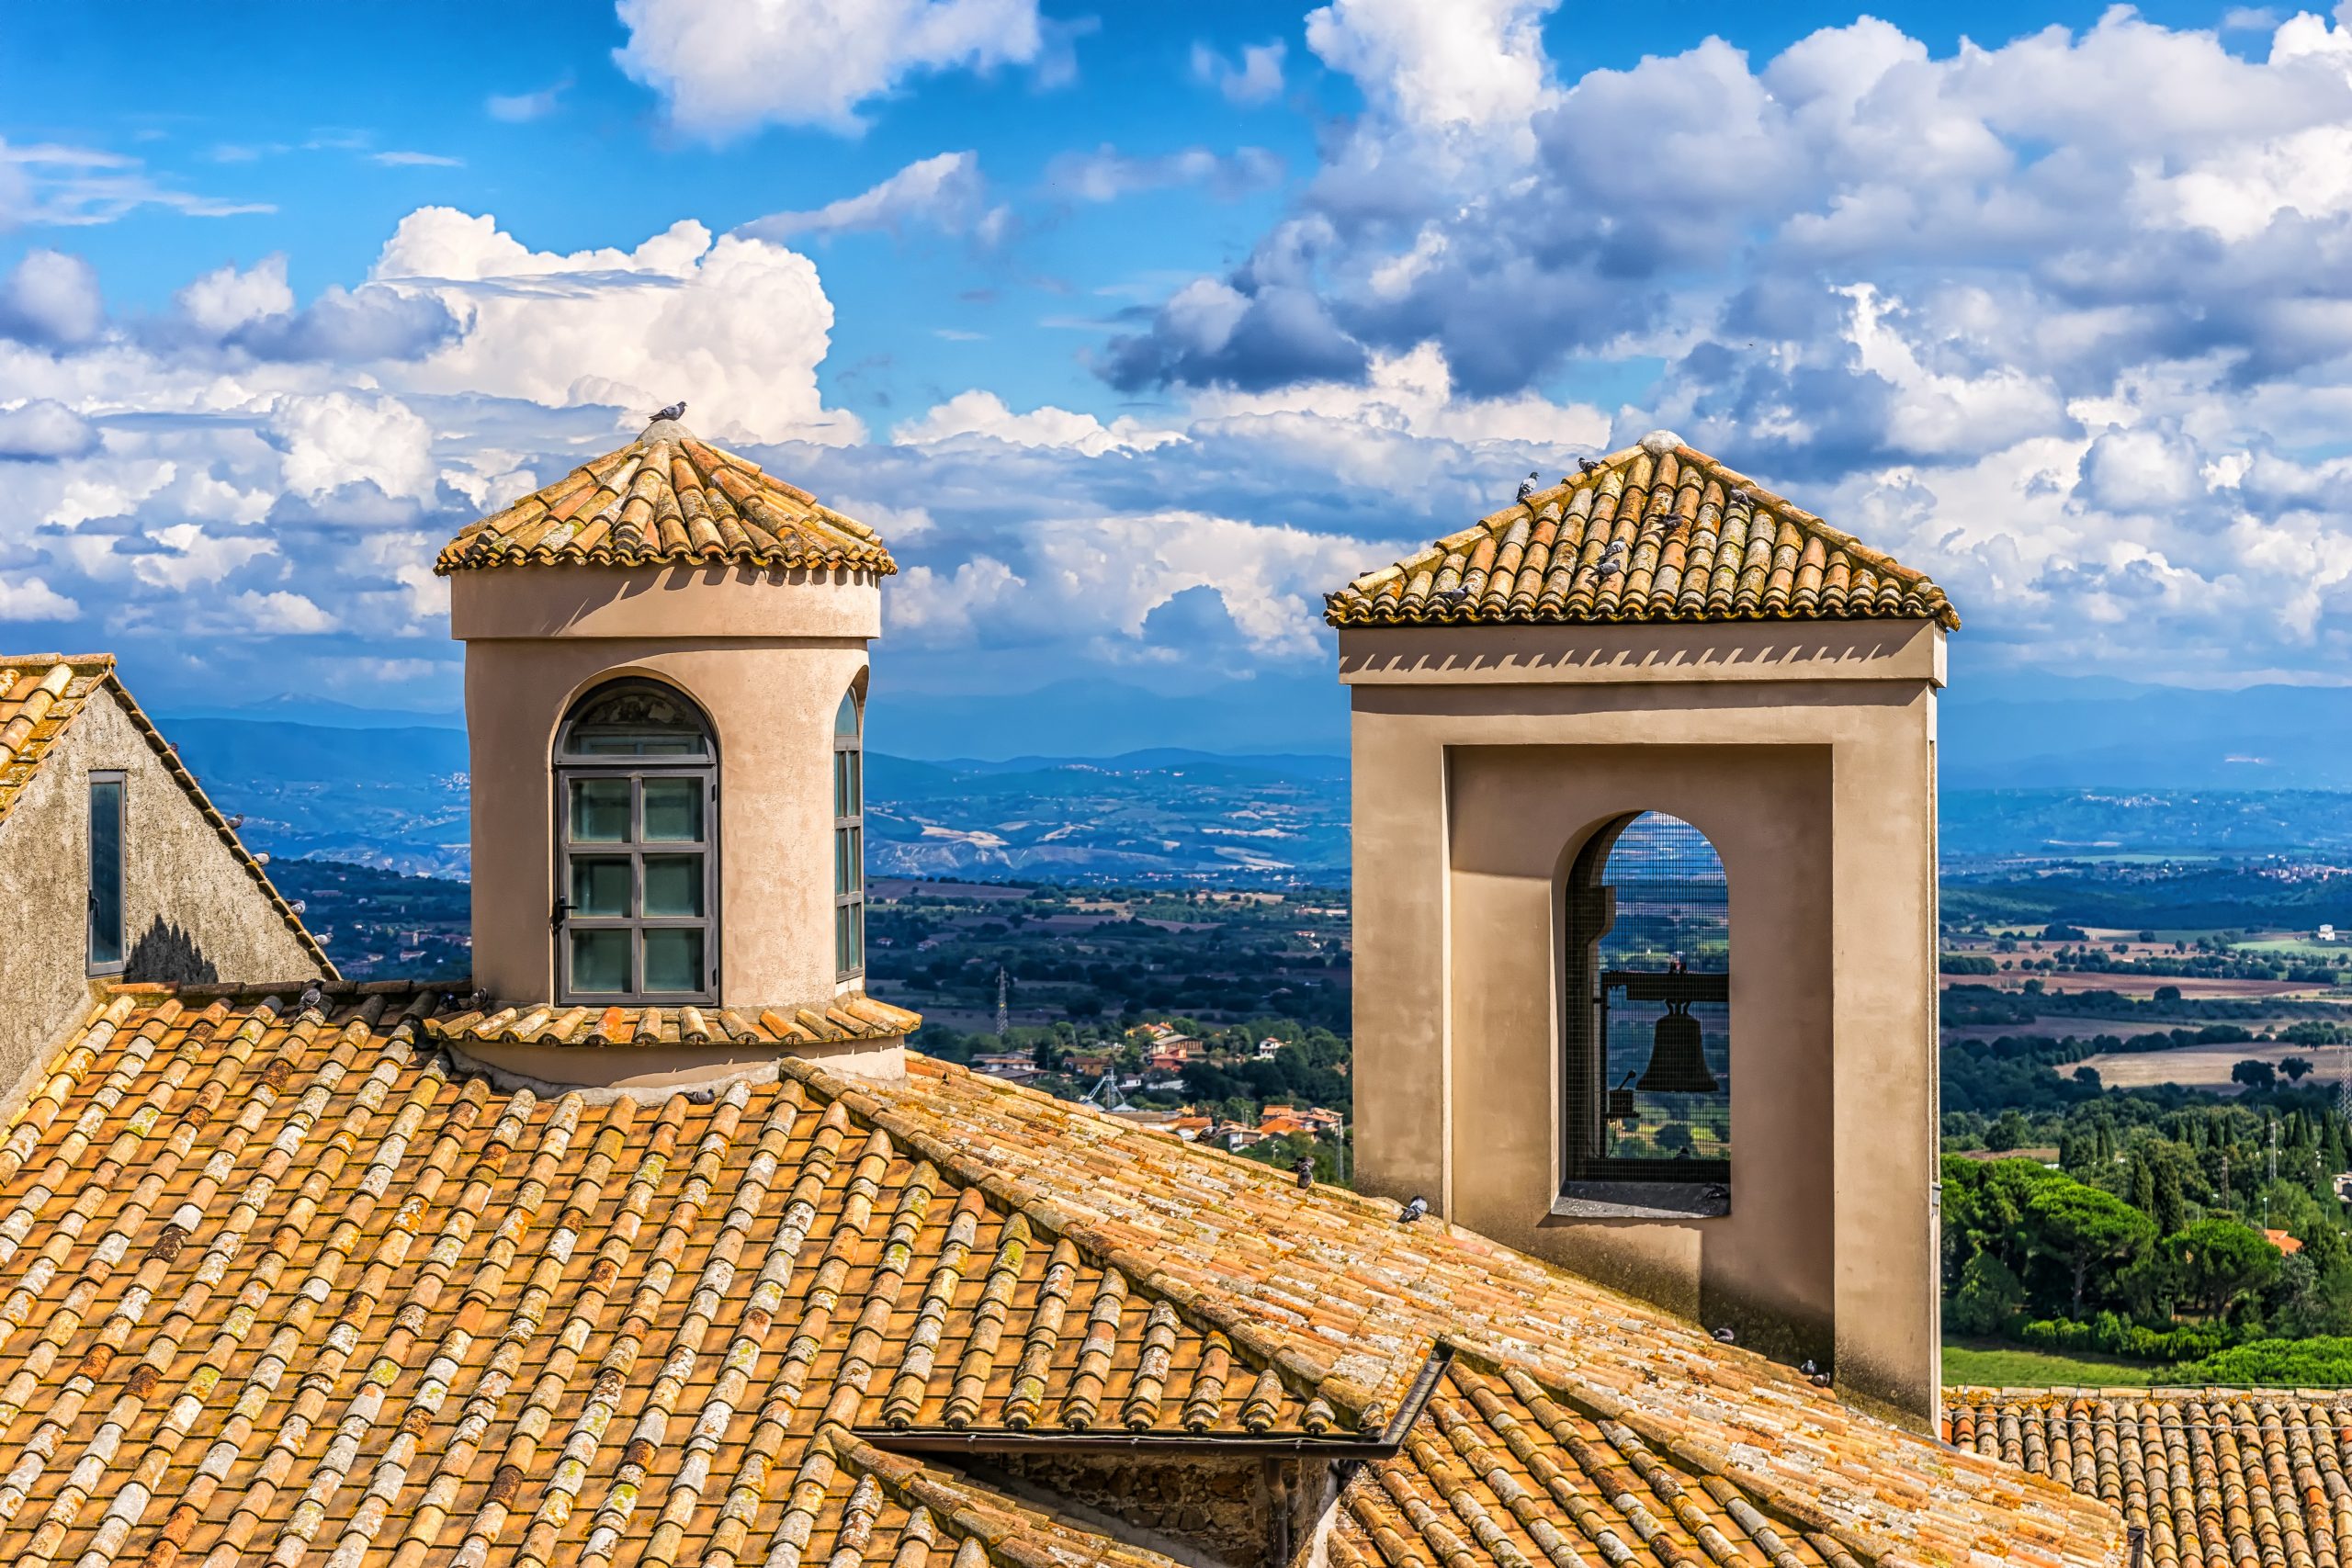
(1094, 779)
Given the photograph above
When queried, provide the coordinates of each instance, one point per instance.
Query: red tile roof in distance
(668, 497)
(1657, 532)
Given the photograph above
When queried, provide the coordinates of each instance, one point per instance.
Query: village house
(653, 1244)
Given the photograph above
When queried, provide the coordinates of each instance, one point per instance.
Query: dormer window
(848, 838)
(637, 852)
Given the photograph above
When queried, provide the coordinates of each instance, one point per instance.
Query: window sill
(1643, 1200)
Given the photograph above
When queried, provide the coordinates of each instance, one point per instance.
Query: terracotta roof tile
(668, 497)
(1500, 1469)
(281, 1283)
(41, 696)
(288, 1286)
(852, 1017)
(1658, 531)
(2229, 1478)
(1341, 1296)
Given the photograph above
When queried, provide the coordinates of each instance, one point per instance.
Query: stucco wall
(1481, 763)
(535, 640)
(191, 910)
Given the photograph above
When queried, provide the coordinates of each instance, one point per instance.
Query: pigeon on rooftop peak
(1413, 1211)
(1527, 487)
(675, 411)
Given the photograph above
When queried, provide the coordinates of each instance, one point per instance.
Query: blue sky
(1136, 328)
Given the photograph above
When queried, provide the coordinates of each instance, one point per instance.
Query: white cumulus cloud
(724, 69)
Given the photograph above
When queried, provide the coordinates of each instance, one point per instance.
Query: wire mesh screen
(1661, 1085)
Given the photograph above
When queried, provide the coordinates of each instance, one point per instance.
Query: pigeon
(1304, 1168)
(1413, 1211)
(1809, 1369)
(1587, 465)
(311, 996)
(1527, 487)
(1821, 1379)
(1726, 1335)
(1739, 497)
(1612, 559)
(675, 411)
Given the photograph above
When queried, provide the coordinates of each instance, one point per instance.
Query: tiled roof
(279, 1281)
(291, 1286)
(1352, 1301)
(41, 696)
(1657, 532)
(850, 1016)
(1499, 1468)
(668, 497)
(2219, 1478)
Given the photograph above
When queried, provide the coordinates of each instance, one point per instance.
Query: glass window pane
(857, 783)
(600, 885)
(635, 718)
(857, 935)
(840, 784)
(599, 960)
(105, 871)
(600, 811)
(846, 716)
(856, 861)
(673, 884)
(673, 959)
(674, 810)
(840, 939)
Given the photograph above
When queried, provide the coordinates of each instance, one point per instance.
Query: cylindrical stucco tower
(666, 685)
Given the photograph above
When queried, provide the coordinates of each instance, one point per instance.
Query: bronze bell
(1677, 1056)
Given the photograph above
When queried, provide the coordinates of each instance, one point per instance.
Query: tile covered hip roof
(668, 498)
(1658, 531)
(294, 1285)
(41, 696)
(2217, 1478)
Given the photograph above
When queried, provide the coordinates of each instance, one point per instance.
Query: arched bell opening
(1647, 1020)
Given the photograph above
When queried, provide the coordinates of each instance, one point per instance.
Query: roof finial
(675, 411)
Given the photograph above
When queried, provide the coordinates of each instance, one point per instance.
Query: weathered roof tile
(668, 497)
(1658, 531)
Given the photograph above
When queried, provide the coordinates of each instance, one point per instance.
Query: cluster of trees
(2146, 1239)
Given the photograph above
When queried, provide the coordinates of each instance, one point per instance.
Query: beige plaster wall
(1472, 793)
(767, 656)
(191, 910)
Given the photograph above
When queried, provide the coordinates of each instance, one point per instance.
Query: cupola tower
(665, 699)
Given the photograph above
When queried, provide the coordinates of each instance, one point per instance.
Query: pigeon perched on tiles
(311, 996)
(1413, 1211)
(1527, 487)
(1739, 497)
(1304, 1168)
(675, 411)
(1612, 559)
(1587, 465)
(1726, 1335)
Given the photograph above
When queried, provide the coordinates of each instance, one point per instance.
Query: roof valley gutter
(946, 1441)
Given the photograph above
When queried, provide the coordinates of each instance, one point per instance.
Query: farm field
(2203, 1068)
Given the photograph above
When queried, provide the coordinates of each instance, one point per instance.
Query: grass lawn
(2005, 1367)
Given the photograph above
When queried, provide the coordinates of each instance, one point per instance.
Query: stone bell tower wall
(767, 653)
(1484, 758)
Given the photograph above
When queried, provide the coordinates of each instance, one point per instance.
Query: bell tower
(1645, 842)
(666, 683)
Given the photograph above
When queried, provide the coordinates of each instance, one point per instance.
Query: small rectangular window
(105, 926)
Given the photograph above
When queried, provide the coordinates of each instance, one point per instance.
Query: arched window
(849, 838)
(637, 850)
(1649, 1026)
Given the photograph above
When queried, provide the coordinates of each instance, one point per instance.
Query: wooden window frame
(638, 770)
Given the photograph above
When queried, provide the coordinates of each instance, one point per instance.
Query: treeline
(2146, 1241)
